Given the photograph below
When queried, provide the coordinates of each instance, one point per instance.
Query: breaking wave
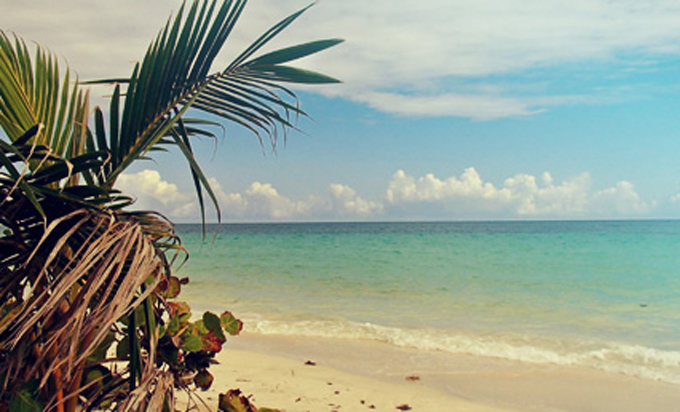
(628, 359)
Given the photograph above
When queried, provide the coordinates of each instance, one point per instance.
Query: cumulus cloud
(520, 196)
(154, 193)
(261, 201)
(466, 196)
(622, 199)
(346, 202)
(450, 54)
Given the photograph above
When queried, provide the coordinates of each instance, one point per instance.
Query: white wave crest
(632, 360)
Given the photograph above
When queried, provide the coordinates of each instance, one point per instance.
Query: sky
(448, 109)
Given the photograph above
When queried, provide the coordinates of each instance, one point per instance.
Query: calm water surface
(597, 294)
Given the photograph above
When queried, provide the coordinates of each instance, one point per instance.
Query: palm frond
(64, 285)
(33, 92)
(174, 76)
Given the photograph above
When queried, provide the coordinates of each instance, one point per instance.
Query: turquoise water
(597, 294)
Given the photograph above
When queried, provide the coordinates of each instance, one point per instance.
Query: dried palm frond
(87, 270)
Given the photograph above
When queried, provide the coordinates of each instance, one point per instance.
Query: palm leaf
(33, 92)
(173, 77)
(77, 272)
(293, 53)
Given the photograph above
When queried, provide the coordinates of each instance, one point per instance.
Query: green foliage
(174, 76)
(24, 399)
(230, 324)
(88, 311)
(189, 347)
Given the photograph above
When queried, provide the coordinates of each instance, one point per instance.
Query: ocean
(595, 294)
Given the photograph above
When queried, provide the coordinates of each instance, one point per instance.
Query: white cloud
(429, 51)
(153, 193)
(466, 196)
(97, 38)
(480, 107)
(261, 201)
(622, 199)
(521, 196)
(346, 202)
(404, 59)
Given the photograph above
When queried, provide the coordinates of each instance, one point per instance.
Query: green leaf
(123, 347)
(24, 400)
(213, 324)
(30, 133)
(211, 321)
(293, 53)
(294, 75)
(192, 343)
(266, 37)
(174, 288)
(230, 324)
(173, 326)
(203, 380)
(200, 327)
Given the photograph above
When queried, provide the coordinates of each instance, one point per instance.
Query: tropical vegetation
(89, 311)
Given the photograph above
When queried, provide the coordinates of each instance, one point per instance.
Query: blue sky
(449, 109)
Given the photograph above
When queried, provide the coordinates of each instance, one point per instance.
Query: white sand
(293, 386)
(366, 376)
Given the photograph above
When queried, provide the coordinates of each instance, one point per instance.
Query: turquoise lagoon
(597, 294)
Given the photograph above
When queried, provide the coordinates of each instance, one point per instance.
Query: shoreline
(354, 375)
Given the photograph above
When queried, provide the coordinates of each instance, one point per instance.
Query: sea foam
(612, 357)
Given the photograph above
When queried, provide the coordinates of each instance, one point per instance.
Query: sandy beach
(301, 374)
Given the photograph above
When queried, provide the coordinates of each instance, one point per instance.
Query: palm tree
(88, 310)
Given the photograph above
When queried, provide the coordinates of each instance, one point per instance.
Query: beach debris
(337, 392)
(404, 407)
(234, 401)
(371, 406)
(298, 400)
(310, 363)
(412, 378)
